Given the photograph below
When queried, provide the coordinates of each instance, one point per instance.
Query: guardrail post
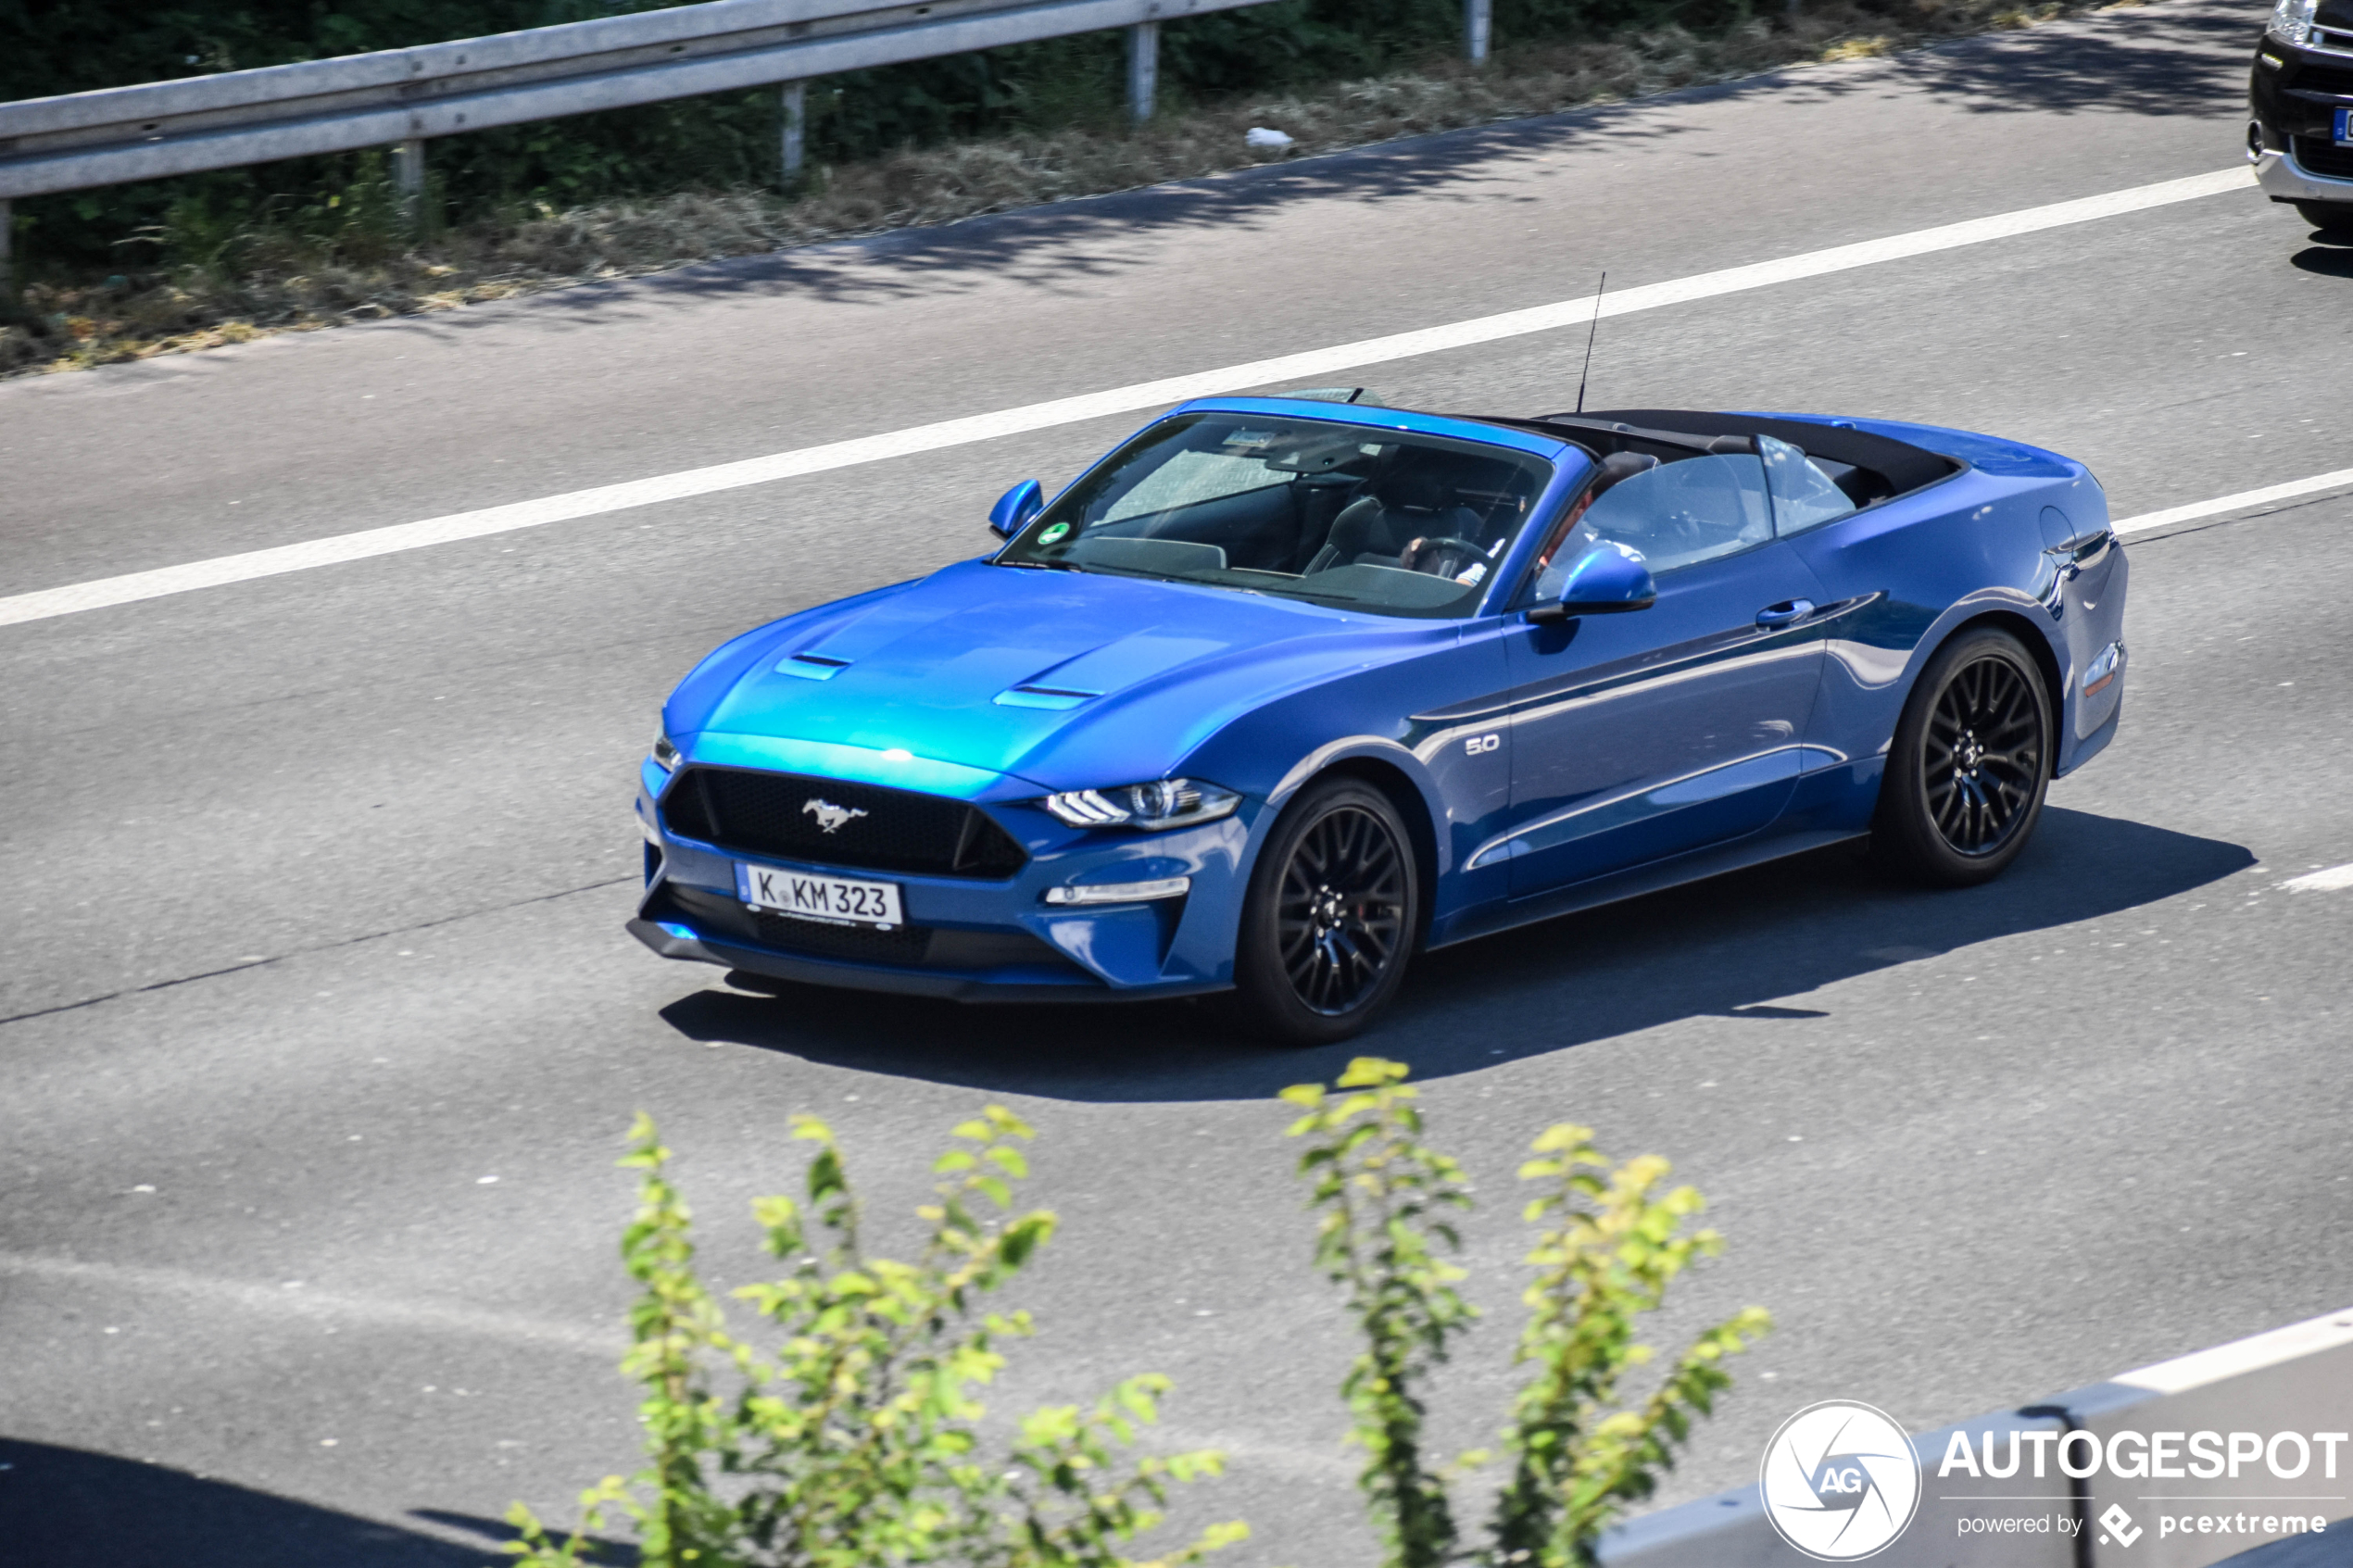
(1479, 26)
(796, 100)
(1143, 69)
(409, 180)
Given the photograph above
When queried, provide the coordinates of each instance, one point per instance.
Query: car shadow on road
(2330, 259)
(65, 1506)
(1734, 947)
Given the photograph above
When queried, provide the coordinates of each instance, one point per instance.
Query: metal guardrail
(403, 98)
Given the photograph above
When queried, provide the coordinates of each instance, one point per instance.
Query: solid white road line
(2335, 879)
(1285, 369)
(2335, 479)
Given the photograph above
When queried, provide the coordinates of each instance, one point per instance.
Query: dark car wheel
(1970, 760)
(1330, 917)
(2329, 218)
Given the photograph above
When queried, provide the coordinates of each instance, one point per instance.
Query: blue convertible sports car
(1284, 690)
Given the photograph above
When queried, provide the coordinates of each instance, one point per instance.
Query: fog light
(1121, 892)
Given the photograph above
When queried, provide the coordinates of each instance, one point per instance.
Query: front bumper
(2293, 97)
(967, 938)
(2284, 180)
(671, 941)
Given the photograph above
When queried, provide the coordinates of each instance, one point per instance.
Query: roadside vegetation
(860, 1440)
(131, 271)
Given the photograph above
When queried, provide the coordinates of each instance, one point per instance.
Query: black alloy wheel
(1970, 762)
(1985, 755)
(1331, 916)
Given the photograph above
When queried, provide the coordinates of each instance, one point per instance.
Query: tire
(1969, 764)
(1330, 917)
(2329, 218)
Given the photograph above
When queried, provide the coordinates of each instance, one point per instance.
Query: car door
(1643, 734)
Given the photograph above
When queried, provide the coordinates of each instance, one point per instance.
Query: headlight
(665, 754)
(1170, 803)
(2292, 21)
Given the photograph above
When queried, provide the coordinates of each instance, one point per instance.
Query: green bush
(857, 1444)
(1611, 1244)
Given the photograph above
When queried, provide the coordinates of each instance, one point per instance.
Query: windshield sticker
(1055, 534)
(1251, 440)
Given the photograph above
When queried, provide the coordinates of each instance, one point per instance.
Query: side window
(1804, 496)
(1685, 513)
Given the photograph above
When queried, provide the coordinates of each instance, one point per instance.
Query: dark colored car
(2300, 133)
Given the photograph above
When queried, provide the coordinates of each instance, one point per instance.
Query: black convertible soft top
(1900, 465)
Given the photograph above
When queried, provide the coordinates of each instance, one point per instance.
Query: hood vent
(811, 665)
(1044, 697)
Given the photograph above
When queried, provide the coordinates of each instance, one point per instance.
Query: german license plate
(838, 900)
(2343, 128)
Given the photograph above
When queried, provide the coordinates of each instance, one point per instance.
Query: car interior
(1336, 511)
(1415, 524)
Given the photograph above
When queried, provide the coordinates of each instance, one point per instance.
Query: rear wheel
(2329, 218)
(1970, 762)
(1330, 916)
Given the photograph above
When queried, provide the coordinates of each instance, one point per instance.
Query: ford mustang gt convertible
(1285, 690)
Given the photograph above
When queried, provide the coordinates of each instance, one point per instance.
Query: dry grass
(275, 282)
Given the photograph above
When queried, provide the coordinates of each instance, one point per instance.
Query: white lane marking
(141, 1285)
(2335, 479)
(2330, 881)
(1291, 368)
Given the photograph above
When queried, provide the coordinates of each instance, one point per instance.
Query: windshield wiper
(1040, 565)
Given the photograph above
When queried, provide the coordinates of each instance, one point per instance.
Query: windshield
(1349, 515)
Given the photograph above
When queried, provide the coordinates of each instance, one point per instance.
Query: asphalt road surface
(316, 882)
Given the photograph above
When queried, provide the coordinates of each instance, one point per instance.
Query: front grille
(2334, 79)
(786, 815)
(2323, 159)
(901, 945)
(906, 946)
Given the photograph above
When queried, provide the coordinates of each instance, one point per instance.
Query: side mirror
(1606, 580)
(1017, 507)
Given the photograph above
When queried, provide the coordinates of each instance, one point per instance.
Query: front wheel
(1330, 916)
(1968, 765)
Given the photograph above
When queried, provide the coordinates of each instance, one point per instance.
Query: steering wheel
(1441, 555)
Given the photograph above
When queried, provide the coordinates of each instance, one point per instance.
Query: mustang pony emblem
(829, 816)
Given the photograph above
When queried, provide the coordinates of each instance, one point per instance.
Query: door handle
(1783, 613)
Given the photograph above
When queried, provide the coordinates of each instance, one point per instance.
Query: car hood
(1062, 679)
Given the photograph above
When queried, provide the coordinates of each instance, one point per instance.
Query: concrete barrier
(2287, 1395)
(2297, 1380)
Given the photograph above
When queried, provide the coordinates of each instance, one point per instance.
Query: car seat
(1410, 502)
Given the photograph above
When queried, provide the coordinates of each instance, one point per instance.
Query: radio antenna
(1588, 340)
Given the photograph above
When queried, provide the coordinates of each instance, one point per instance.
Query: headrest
(1414, 488)
(1622, 464)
